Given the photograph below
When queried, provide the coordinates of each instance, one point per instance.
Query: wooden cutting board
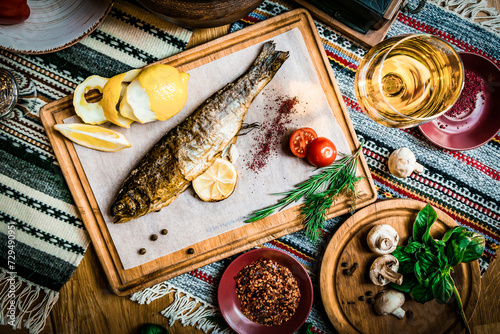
(340, 293)
(125, 282)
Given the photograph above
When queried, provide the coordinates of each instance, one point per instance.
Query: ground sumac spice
(270, 134)
(466, 103)
(268, 292)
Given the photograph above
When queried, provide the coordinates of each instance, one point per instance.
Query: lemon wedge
(158, 93)
(93, 136)
(91, 113)
(112, 92)
(217, 183)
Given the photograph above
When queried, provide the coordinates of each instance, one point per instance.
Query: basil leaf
(406, 260)
(451, 233)
(434, 245)
(426, 265)
(423, 223)
(412, 247)
(406, 267)
(442, 260)
(428, 261)
(400, 253)
(474, 249)
(422, 294)
(153, 329)
(456, 248)
(443, 289)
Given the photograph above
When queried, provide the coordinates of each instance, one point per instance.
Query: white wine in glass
(408, 80)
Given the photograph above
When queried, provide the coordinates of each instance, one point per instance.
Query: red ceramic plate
(478, 126)
(230, 305)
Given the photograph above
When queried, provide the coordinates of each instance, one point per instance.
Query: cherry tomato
(321, 152)
(300, 139)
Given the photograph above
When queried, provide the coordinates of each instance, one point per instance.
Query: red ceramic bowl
(477, 127)
(230, 305)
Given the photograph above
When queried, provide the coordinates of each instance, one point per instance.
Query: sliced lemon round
(91, 113)
(93, 136)
(217, 183)
(112, 93)
(158, 93)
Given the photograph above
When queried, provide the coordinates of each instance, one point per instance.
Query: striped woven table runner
(465, 185)
(42, 239)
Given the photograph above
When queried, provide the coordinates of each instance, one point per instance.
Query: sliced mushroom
(390, 302)
(402, 163)
(384, 271)
(383, 239)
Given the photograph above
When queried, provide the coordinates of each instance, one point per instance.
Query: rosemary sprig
(318, 192)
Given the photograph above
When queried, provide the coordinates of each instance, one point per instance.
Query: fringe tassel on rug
(147, 295)
(20, 298)
(470, 10)
(188, 309)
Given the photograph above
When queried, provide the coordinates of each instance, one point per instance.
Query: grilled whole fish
(190, 148)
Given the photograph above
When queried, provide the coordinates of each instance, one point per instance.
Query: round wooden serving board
(340, 293)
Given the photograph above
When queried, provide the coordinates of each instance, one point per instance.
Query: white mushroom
(384, 271)
(382, 239)
(390, 302)
(402, 163)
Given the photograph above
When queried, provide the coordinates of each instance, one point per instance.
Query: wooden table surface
(87, 305)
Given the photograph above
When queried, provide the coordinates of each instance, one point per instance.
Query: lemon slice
(112, 92)
(217, 183)
(158, 93)
(91, 113)
(93, 136)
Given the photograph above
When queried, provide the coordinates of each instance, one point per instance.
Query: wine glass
(18, 95)
(408, 80)
(9, 93)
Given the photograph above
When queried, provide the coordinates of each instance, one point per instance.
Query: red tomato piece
(14, 11)
(300, 139)
(321, 152)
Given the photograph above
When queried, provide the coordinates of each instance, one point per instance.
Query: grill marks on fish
(190, 148)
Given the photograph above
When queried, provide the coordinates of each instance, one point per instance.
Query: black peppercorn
(164, 231)
(153, 237)
(344, 264)
(371, 301)
(369, 293)
(362, 298)
(347, 272)
(190, 251)
(142, 251)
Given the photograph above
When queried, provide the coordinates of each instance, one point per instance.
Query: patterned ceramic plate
(465, 128)
(230, 305)
(53, 25)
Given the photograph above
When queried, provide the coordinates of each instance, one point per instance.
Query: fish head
(129, 205)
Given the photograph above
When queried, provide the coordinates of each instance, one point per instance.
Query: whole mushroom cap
(384, 271)
(382, 239)
(390, 302)
(402, 163)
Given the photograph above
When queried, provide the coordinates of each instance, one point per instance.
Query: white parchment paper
(188, 219)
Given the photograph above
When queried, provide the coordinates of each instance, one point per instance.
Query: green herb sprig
(427, 263)
(318, 192)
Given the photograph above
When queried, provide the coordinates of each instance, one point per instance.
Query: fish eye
(119, 207)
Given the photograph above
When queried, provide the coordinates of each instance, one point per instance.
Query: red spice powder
(270, 134)
(466, 103)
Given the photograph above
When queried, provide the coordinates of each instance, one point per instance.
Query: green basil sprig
(153, 329)
(426, 263)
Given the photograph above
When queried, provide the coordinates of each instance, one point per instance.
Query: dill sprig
(319, 192)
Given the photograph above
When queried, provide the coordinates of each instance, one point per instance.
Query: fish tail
(268, 62)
